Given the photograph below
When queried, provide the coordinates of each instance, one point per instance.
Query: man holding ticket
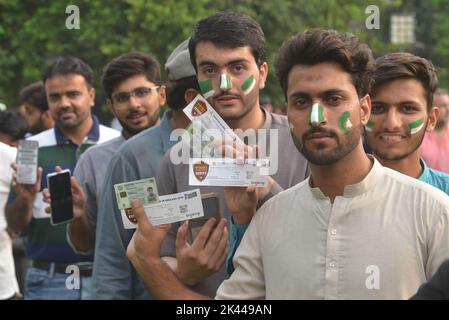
(228, 52)
(137, 159)
(353, 229)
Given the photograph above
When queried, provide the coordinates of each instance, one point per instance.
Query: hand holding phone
(211, 206)
(61, 196)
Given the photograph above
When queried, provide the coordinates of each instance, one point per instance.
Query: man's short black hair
(128, 65)
(404, 65)
(176, 89)
(34, 94)
(229, 29)
(69, 65)
(13, 124)
(315, 46)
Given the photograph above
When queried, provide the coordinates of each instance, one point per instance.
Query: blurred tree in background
(32, 32)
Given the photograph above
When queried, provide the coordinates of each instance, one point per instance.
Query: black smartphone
(211, 207)
(61, 196)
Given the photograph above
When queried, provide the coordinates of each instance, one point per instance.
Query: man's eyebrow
(326, 93)
(211, 63)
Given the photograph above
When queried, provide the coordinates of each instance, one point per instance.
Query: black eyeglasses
(122, 98)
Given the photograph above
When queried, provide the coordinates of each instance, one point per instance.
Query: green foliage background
(32, 32)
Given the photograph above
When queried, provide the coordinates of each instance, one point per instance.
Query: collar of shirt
(165, 131)
(425, 171)
(92, 135)
(354, 190)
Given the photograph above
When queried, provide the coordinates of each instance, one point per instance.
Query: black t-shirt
(437, 288)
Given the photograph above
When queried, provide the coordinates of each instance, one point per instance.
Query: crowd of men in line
(358, 207)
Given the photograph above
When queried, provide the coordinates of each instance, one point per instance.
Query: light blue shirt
(435, 178)
(138, 158)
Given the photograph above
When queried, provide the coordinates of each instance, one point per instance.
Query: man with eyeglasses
(138, 158)
(132, 83)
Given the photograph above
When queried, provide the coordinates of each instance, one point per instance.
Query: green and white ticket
(145, 190)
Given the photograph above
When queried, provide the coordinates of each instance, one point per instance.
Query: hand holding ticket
(212, 164)
(171, 208)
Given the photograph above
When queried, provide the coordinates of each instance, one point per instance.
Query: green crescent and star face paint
(206, 88)
(416, 126)
(225, 82)
(316, 115)
(369, 126)
(249, 85)
(345, 123)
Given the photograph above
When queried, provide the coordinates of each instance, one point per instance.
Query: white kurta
(383, 238)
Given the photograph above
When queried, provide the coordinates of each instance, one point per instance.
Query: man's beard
(133, 131)
(327, 157)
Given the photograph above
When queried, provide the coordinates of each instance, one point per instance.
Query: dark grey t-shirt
(292, 169)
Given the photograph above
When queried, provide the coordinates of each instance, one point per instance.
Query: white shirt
(383, 238)
(8, 282)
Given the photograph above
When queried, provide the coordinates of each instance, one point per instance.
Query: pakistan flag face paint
(369, 126)
(206, 88)
(316, 116)
(345, 123)
(248, 85)
(416, 126)
(225, 82)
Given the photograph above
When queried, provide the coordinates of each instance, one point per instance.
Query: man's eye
(300, 103)
(376, 109)
(72, 94)
(408, 109)
(238, 68)
(141, 92)
(333, 100)
(121, 98)
(209, 71)
(54, 98)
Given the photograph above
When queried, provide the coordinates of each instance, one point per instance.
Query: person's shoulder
(286, 196)
(107, 148)
(278, 121)
(415, 187)
(107, 133)
(45, 138)
(439, 180)
(7, 154)
(144, 139)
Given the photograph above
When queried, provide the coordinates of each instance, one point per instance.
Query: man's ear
(190, 94)
(162, 95)
(92, 96)
(365, 109)
(110, 107)
(433, 117)
(263, 73)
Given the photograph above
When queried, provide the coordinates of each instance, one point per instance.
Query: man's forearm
(163, 283)
(81, 234)
(19, 213)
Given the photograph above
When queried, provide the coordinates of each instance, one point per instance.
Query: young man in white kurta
(381, 240)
